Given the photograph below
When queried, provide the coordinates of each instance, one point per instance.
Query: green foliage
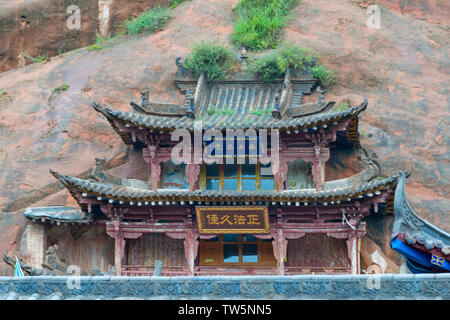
(99, 43)
(4, 96)
(292, 56)
(150, 20)
(344, 105)
(61, 88)
(213, 58)
(41, 58)
(260, 112)
(227, 111)
(272, 67)
(175, 3)
(325, 75)
(259, 23)
(94, 47)
(60, 51)
(266, 68)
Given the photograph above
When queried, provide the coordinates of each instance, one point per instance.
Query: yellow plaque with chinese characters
(236, 219)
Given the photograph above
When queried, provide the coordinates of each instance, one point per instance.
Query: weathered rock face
(402, 68)
(47, 27)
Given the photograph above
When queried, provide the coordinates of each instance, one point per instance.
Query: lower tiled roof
(129, 194)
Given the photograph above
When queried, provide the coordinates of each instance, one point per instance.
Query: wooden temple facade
(233, 218)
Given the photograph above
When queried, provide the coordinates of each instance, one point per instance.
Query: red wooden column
(280, 169)
(279, 244)
(119, 245)
(191, 250)
(353, 252)
(190, 243)
(155, 172)
(317, 168)
(154, 156)
(193, 172)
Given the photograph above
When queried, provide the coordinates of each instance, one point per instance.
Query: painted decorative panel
(299, 175)
(175, 176)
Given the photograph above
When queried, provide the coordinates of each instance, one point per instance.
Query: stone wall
(361, 287)
(33, 243)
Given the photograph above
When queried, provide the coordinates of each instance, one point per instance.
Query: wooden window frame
(263, 260)
(221, 177)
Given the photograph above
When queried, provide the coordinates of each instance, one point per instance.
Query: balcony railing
(140, 270)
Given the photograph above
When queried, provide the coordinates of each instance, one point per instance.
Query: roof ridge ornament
(145, 95)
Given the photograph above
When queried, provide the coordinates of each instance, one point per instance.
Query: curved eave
(128, 195)
(305, 124)
(416, 230)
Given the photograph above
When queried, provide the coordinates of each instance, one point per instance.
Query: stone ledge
(386, 286)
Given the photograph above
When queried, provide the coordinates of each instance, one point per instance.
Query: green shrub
(4, 95)
(274, 66)
(259, 23)
(94, 47)
(175, 3)
(61, 88)
(266, 68)
(41, 58)
(292, 56)
(99, 42)
(150, 20)
(325, 75)
(213, 58)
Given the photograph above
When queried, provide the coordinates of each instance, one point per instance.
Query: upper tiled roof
(222, 118)
(235, 104)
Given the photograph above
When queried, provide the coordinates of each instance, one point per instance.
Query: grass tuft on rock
(325, 75)
(151, 20)
(212, 57)
(273, 66)
(259, 23)
(266, 68)
(292, 56)
(43, 58)
(61, 88)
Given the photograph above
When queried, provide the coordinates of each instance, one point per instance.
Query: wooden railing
(215, 271)
(128, 270)
(140, 270)
(316, 270)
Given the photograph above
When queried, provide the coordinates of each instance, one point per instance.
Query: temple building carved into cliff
(233, 213)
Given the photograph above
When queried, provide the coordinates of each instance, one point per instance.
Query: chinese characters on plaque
(250, 219)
